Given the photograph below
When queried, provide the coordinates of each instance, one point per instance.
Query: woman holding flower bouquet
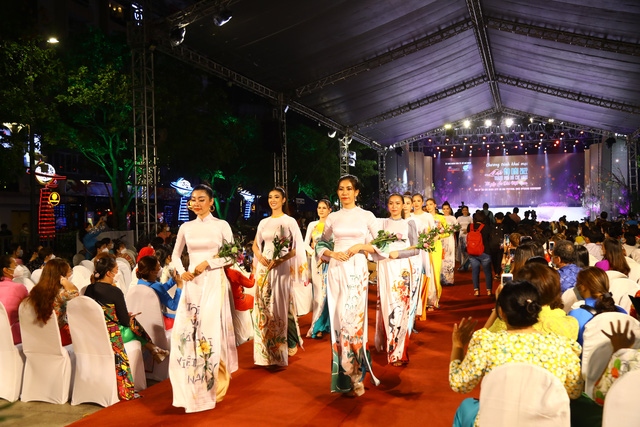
(282, 261)
(435, 291)
(347, 283)
(203, 350)
(320, 321)
(448, 246)
(399, 273)
(425, 223)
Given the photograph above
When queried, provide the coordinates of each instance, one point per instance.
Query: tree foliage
(96, 113)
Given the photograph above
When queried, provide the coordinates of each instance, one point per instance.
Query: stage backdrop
(507, 181)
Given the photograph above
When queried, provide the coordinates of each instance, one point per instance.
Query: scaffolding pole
(144, 142)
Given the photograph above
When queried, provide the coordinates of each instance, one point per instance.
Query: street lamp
(86, 183)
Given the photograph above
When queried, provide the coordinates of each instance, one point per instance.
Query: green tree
(31, 74)
(96, 113)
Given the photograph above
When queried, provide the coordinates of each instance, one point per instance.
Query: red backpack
(474, 241)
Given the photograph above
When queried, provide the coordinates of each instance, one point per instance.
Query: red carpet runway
(299, 395)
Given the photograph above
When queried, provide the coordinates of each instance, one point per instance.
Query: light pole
(86, 183)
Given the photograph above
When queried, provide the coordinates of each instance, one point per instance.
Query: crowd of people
(211, 304)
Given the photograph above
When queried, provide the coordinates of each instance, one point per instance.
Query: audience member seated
(121, 252)
(146, 251)
(593, 242)
(552, 317)
(11, 294)
(525, 251)
(16, 253)
(102, 247)
(624, 359)
(518, 305)
(593, 285)
(613, 257)
(44, 254)
(564, 258)
(148, 272)
(111, 298)
(163, 254)
(52, 292)
(629, 243)
(582, 257)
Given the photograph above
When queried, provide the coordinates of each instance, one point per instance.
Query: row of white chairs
(41, 369)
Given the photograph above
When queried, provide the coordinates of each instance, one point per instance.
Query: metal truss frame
(482, 38)
(560, 36)
(144, 134)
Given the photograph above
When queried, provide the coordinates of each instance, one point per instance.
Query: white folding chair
(95, 378)
(120, 282)
(81, 276)
(634, 274)
(27, 282)
(621, 287)
(49, 366)
(144, 300)
(596, 348)
(621, 402)
(35, 275)
(568, 299)
(87, 263)
(11, 361)
(522, 394)
(125, 268)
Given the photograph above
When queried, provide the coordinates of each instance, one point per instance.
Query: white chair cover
(634, 274)
(144, 300)
(568, 299)
(87, 263)
(596, 348)
(27, 282)
(621, 403)
(49, 366)
(35, 275)
(136, 361)
(621, 287)
(120, 283)
(592, 260)
(523, 395)
(134, 278)
(81, 276)
(125, 268)
(11, 361)
(95, 378)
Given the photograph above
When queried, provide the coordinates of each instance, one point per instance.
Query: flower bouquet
(426, 241)
(280, 244)
(452, 228)
(232, 251)
(384, 239)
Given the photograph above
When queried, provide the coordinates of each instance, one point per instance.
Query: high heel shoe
(159, 354)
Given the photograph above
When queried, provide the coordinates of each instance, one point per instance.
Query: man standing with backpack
(478, 250)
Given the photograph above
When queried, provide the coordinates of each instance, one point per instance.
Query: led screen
(507, 181)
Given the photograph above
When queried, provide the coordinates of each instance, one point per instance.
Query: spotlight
(466, 124)
(332, 134)
(222, 17)
(487, 123)
(177, 36)
(508, 122)
(447, 126)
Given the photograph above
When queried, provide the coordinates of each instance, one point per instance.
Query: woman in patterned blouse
(518, 305)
